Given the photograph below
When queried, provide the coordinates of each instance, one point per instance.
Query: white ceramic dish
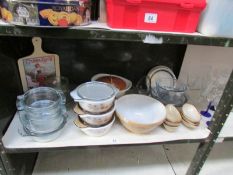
(191, 113)
(95, 97)
(98, 119)
(121, 92)
(140, 113)
(94, 131)
(173, 115)
(170, 128)
(158, 73)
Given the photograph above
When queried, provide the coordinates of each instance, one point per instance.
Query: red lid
(183, 3)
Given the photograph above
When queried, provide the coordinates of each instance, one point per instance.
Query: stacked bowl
(42, 113)
(95, 107)
(173, 118)
(191, 118)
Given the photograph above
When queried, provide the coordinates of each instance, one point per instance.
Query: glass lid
(95, 91)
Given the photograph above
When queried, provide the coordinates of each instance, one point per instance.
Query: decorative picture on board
(38, 67)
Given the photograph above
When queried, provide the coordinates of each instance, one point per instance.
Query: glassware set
(42, 113)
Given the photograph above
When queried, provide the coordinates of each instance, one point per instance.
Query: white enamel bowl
(140, 113)
(95, 97)
(94, 131)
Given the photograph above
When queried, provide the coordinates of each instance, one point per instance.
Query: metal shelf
(100, 31)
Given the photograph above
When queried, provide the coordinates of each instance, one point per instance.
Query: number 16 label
(150, 18)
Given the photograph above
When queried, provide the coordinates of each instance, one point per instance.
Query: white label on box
(150, 18)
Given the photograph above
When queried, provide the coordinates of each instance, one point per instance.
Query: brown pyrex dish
(121, 83)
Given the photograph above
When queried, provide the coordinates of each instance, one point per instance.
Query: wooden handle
(37, 43)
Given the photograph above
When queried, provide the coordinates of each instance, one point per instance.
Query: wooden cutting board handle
(37, 43)
(38, 55)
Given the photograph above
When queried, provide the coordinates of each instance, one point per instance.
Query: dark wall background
(81, 59)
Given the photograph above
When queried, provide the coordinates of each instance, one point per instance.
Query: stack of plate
(159, 73)
(173, 118)
(190, 116)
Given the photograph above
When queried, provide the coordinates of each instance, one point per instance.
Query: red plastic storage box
(160, 15)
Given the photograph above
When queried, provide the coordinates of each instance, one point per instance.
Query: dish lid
(96, 91)
(140, 109)
(159, 73)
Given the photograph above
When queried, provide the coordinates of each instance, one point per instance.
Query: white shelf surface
(135, 160)
(73, 137)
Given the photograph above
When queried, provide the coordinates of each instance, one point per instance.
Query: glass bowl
(170, 91)
(41, 109)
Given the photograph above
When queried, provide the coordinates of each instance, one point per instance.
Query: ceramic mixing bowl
(140, 113)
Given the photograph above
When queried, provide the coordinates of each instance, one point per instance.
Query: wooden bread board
(37, 67)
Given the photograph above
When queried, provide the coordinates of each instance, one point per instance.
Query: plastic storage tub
(61, 13)
(217, 19)
(162, 15)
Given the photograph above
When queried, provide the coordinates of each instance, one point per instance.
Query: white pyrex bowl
(95, 97)
(94, 131)
(95, 119)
